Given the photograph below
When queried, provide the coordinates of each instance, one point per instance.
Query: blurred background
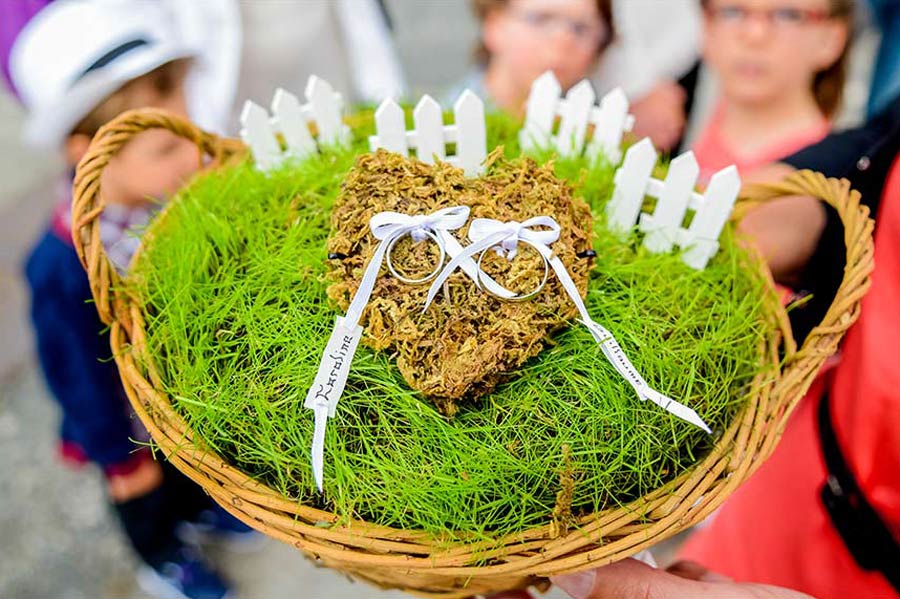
(57, 537)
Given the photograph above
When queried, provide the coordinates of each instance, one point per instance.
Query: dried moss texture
(467, 341)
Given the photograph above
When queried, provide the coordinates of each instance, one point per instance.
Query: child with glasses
(780, 66)
(521, 39)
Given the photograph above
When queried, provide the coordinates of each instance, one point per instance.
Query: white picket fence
(675, 196)
(576, 111)
(292, 121)
(430, 136)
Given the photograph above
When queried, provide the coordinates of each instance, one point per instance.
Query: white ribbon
(387, 226)
(487, 233)
(331, 376)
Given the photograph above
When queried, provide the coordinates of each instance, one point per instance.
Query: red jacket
(774, 529)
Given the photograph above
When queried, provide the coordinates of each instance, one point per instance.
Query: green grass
(234, 292)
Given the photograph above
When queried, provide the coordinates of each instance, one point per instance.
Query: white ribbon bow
(487, 233)
(327, 387)
(387, 226)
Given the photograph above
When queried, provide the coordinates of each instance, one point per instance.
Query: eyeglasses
(586, 33)
(783, 17)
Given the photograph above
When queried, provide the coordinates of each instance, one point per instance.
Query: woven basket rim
(414, 560)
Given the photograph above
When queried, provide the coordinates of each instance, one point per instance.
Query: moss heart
(467, 341)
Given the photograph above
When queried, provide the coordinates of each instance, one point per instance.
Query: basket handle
(88, 203)
(858, 227)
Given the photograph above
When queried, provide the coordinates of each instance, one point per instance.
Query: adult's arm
(802, 238)
(787, 230)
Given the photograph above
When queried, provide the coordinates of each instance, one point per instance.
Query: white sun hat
(75, 53)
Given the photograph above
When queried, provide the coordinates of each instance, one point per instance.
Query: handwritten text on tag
(331, 378)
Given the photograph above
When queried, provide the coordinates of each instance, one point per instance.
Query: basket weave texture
(409, 559)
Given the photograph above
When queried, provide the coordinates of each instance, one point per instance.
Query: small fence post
(663, 225)
(390, 127)
(429, 130)
(663, 229)
(471, 134)
(540, 112)
(701, 240)
(430, 136)
(631, 181)
(289, 120)
(575, 115)
(256, 131)
(611, 120)
(325, 106)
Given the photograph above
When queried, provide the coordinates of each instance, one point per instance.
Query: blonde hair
(482, 8)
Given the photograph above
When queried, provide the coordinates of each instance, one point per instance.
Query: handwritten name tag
(334, 368)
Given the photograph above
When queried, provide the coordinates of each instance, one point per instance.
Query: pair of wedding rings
(480, 273)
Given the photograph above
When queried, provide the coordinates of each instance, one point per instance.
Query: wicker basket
(409, 559)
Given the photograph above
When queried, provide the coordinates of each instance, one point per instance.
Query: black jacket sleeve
(864, 156)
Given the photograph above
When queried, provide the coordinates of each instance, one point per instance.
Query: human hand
(659, 115)
(146, 477)
(787, 230)
(631, 578)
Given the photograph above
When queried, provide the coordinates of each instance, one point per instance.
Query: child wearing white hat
(76, 65)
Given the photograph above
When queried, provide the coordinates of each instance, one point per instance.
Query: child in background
(521, 39)
(76, 65)
(781, 68)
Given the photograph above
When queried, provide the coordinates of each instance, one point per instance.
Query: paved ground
(58, 539)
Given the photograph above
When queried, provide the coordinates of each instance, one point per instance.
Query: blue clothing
(74, 352)
(886, 78)
(73, 347)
